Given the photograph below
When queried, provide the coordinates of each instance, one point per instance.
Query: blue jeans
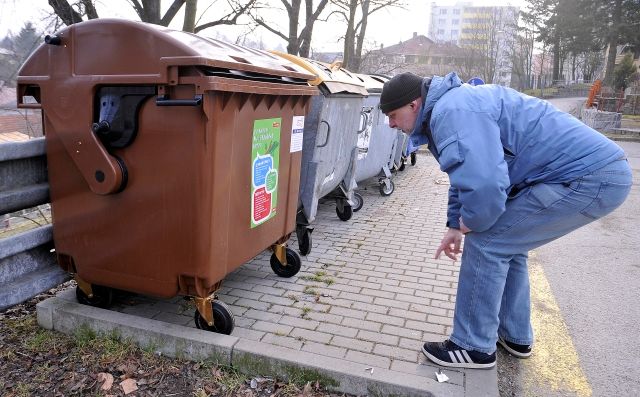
(493, 287)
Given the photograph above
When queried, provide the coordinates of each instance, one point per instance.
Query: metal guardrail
(27, 261)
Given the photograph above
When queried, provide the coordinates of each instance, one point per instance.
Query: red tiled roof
(420, 45)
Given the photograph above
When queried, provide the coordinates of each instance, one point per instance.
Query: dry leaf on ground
(107, 379)
(129, 385)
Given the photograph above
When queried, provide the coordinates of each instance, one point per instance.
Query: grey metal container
(401, 147)
(376, 143)
(329, 151)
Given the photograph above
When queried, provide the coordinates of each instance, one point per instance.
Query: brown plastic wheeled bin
(173, 158)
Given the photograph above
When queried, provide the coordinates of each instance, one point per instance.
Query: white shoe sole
(511, 351)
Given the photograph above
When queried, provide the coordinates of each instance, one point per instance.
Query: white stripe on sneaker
(466, 356)
(459, 356)
(453, 357)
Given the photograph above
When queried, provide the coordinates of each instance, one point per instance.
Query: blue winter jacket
(492, 140)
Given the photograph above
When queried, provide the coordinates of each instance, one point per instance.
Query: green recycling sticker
(265, 160)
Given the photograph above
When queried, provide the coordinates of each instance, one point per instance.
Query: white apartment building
(489, 29)
(446, 22)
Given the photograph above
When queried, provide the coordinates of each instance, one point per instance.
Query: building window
(454, 33)
(455, 21)
(456, 11)
(443, 11)
(442, 21)
(440, 31)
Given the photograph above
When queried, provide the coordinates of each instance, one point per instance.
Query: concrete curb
(63, 314)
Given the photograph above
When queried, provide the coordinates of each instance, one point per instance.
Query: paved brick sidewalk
(370, 292)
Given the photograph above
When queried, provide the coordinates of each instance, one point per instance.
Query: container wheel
(304, 245)
(402, 164)
(345, 213)
(102, 296)
(357, 197)
(384, 191)
(223, 321)
(292, 267)
(414, 158)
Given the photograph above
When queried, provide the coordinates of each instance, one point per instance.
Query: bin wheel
(304, 245)
(293, 264)
(414, 158)
(402, 164)
(223, 321)
(357, 197)
(346, 213)
(383, 188)
(102, 296)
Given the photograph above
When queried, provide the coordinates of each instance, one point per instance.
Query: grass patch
(43, 339)
(309, 290)
(305, 312)
(319, 277)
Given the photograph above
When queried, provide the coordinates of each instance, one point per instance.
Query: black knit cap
(400, 90)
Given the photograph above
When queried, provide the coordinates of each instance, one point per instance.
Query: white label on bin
(297, 128)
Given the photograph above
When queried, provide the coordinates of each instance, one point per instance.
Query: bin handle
(365, 119)
(328, 131)
(163, 100)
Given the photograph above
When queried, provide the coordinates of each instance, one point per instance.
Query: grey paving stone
(308, 335)
(368, 360)
(324, 349)
(246, 333)
(395, 352)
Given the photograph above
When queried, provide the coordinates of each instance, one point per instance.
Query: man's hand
(450, 244)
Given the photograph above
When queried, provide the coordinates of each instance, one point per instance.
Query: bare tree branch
(237, 10)
(64, 10)
(171, 12)
(90, 9)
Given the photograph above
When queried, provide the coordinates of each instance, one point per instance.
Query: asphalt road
(585, 308)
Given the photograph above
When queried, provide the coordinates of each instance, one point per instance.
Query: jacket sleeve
(453, 209)
(471, 153)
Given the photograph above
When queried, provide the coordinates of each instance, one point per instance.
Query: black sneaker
(520, 351)
(449, 354)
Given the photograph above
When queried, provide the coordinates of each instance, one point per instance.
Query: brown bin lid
(108, 47)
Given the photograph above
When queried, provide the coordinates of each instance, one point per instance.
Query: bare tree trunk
(190, 15)
(613, 43)
(350, 34)
(357, 64)
(151, 11)
(556, 57)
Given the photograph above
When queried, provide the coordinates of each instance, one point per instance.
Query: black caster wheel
(414, 158)
(345, 213)
(305, 243)
(384, 191)
(102, 296)
(402, 165)
(223, 321)
(357, 197)
(293, 264)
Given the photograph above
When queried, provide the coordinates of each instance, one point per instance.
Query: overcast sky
(386, 27)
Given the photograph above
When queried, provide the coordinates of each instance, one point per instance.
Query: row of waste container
(174, 158)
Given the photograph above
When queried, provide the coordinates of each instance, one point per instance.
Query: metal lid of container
(332, 76)
(373, 83)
